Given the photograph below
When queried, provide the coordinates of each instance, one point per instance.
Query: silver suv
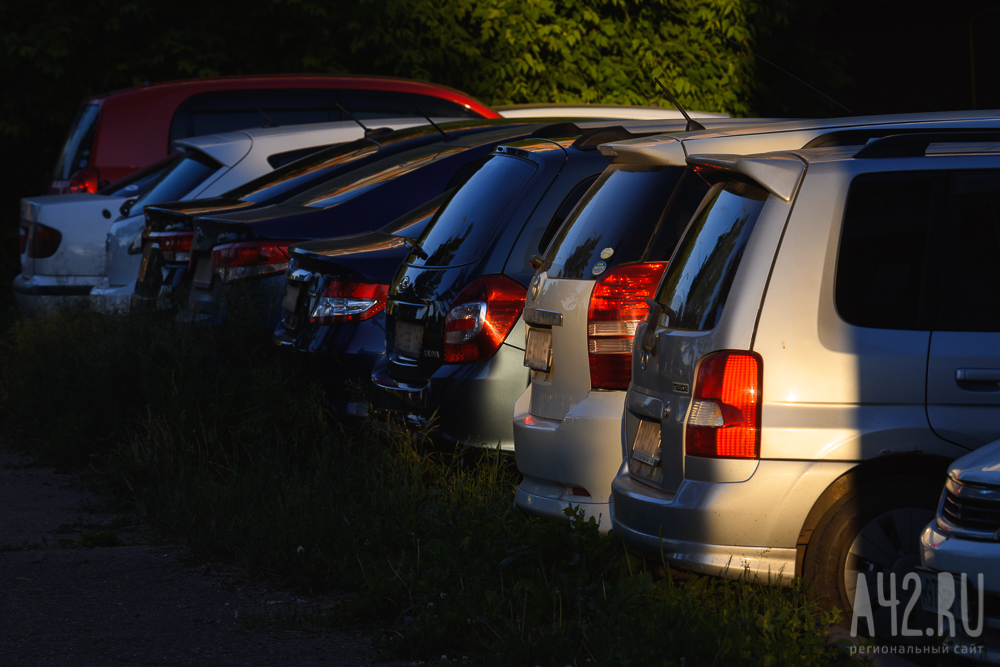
(825, 339)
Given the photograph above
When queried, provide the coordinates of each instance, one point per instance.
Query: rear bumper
(344, 352)
(207, 306)
(39, 295)
(724, 528)
(581, 450)
(470, 404)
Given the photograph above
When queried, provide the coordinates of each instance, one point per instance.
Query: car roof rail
(603, 135)
(915, 144)
(556, 130)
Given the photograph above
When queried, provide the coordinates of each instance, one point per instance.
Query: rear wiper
(415, 247)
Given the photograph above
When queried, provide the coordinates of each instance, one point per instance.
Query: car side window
(969, 286)
(885, 247)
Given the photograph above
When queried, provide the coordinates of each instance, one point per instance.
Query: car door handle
(977, 376)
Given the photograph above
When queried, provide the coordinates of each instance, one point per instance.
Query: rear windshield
(363, 179)
(181, 178)
(613, 222)
(701, 272)
(75, 154)
(138, 182)
(463, 228)
(286, 179)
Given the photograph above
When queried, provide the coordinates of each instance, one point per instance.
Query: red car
(116, 133)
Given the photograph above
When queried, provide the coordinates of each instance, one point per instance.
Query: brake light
(249, 259)
(175, 246)
(481, 317)
(617, 305)
(344, 301)
(724, 421)
(44, 241)
(83, 181)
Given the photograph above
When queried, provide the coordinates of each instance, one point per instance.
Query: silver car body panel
(833, 394)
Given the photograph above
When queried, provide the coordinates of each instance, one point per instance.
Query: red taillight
(617, 305)
(724, 421)
(175, 246)
(83, 181)
(481, 317)
(345, 301)
(249, 259)
(44, 241)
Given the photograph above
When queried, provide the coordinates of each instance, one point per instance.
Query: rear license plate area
(290, 300)
(203, 273)
(538, 350)
(646, 447)
(408, 339)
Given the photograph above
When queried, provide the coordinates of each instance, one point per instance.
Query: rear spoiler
(778, 173)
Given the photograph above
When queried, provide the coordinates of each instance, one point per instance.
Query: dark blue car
(169, 227)
(248, 250)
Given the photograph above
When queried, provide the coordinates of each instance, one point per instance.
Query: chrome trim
(970, 492)
(537, 316)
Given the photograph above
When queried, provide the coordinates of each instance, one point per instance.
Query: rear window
(613, 222)
(138, 182)
(75, 154)
(363, 179)
(295, 175)
(463, 228)
(179, 180)
(701, 272)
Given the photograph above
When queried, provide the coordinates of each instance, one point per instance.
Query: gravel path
(65, 603)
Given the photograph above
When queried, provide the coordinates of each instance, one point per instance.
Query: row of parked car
(752, 345)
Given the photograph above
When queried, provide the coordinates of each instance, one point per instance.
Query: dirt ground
(83, 587)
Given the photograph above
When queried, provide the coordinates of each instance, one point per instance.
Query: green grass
(219, 440)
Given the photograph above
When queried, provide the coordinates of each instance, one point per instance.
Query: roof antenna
(369, 132)
(428, 118)
(692, 124)
(270, 123)
(786, 72)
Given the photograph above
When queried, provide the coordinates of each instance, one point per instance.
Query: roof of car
(673, 148)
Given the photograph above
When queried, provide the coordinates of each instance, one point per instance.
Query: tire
(873, 529)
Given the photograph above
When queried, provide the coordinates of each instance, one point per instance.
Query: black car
(248, 250)
(169, 228)
(454, 334)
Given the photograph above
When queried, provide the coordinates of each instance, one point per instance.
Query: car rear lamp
(44, 241)
(724, 421)
(175, 246)
(84, 181)
(617, 305)
(344, 301)
(249, 259)
(481, 317)
(23, 238)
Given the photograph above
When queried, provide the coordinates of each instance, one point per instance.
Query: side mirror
(127, 206)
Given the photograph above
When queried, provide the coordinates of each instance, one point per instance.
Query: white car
(86, 248)
(589, 295)
(964, 539)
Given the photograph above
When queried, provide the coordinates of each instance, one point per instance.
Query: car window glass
(701, 272)
(180, 179)
(884, 245)
(464, 226)
(363, 179)
(75, 154)
(613, 222)
(138, 182)
(564, 210)
(294, 175)
(968, 298)
(688, 194)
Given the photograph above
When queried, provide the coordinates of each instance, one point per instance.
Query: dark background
(872, 57)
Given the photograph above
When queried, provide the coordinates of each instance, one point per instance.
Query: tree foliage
(55, 52)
